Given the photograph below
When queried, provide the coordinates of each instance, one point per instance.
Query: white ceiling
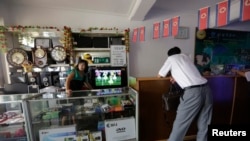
(132, 9)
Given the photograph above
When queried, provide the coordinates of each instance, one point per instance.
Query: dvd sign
(120, 129)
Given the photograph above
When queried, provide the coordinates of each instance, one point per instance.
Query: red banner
(203, 17)
(166, 28)
(142, 33)
(245, 10)
(175, 25)
(156, 30)
(135, 33)
(222, 13)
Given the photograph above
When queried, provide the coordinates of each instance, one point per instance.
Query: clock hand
(17, 59)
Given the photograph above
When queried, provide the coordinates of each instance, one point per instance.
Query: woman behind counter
(78, 78)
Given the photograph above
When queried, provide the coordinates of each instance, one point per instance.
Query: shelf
(101, 33)
(101, 64)
(91, 49)
(59, 65)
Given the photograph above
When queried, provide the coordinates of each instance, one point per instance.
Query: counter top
(166, 78)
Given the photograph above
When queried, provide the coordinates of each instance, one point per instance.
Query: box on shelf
(120, 129)
(58, 134)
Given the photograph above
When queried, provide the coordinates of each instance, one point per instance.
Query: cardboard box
(65, 133)
(120, 129)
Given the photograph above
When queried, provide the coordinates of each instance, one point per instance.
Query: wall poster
(222, 49)
(118, 55)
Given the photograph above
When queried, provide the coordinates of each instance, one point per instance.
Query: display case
(54, 116)
(13, 125)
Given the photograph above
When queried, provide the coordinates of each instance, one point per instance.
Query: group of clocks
(17, 56)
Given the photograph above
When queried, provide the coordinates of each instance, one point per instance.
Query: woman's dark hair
(174, 50)
(86, 65)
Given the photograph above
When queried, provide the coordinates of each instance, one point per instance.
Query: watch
(58, 53)
(16, 57)
(44, 42)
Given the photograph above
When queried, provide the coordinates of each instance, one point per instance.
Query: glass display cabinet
(13, 124)
(54, 116)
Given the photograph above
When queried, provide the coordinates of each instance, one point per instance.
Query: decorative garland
(96, 28)
(126, 35)
(3, 40)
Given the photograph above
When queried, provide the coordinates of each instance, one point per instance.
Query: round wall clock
(58, 53)
(39, 56)
(40, 53)
(16, 57)
(201, 34)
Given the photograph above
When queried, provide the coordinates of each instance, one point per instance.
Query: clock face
(44, 42)
(58, 53)
(16, 57)
(201, 34)
(39, 53)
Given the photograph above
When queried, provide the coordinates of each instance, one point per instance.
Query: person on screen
(76, 80)
(197, 98)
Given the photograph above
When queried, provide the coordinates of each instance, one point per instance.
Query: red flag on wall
(166, 28)
(142, 33)
(175, 25)
(222, 13)
(245, 10)
(156, 30)
(203, 18)
(135, 33)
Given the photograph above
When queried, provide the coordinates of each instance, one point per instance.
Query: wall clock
(40, 53)
(58, 53)
(39, 56)
(43, 42)
(16, 57)
(201, 34)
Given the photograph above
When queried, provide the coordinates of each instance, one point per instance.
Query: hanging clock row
(17, 56)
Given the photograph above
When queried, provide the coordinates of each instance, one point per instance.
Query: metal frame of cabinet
(40, 105)
(15, 125)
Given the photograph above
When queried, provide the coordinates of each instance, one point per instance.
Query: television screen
(109, 77)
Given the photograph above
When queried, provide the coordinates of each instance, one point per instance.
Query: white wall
(146, 57)
(42, 16)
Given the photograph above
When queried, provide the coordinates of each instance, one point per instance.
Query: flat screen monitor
(109, 77)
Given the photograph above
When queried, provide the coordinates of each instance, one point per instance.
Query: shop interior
(37, 54)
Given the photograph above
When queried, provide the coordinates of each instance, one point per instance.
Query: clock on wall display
(16, 57)
(39, 56)
(40, 53)
(201, 34)
(43, 42)
(58, 53)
